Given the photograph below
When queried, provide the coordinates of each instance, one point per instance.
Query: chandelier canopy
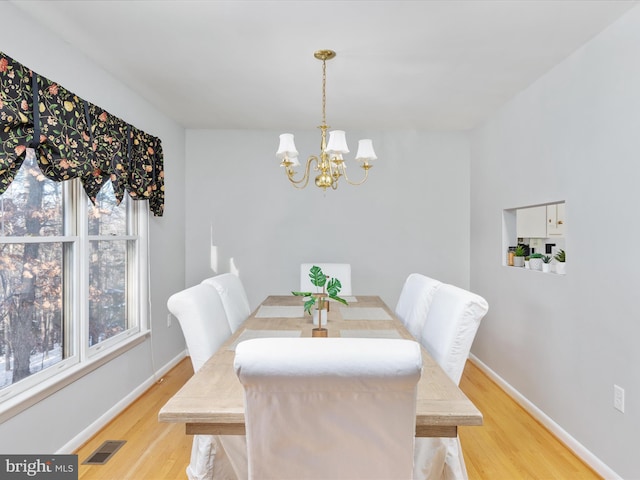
(330, 164)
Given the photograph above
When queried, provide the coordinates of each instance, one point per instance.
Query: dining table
(211, 402)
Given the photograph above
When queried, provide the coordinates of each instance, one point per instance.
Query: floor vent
(104, 452)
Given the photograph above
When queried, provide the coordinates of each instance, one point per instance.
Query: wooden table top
(212, 402)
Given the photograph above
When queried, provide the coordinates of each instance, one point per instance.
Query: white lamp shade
(337, 142)
(365, 150)
(287, 148)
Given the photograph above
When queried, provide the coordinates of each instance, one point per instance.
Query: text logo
(39, 467)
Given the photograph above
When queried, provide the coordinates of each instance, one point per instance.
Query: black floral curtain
(73, 138)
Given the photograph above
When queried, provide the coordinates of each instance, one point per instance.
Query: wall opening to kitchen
(540, 232)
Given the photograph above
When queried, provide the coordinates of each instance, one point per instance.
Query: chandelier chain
(324, 93)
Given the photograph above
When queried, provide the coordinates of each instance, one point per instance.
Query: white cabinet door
(531, 222)
(555, 220)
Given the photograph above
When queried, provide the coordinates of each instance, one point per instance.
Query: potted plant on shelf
(546, 263)
(518, 259)
(535, 261)
(526, 262)
(560, 257)
(330, 289)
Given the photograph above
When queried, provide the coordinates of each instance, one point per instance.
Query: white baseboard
(572, 444)
(114, 411)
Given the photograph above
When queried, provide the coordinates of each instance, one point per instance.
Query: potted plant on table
(330, 289)
(560, 259)
(546, 263)
(518, 259)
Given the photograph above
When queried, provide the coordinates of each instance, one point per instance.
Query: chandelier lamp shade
(330, 164)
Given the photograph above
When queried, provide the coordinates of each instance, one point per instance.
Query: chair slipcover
(413, 304)
(331, 408)
(449, 330)
(201, 315)
(341, 271)
(234, 298)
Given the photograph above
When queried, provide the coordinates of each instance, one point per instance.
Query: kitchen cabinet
(531, 222)
(556, 220)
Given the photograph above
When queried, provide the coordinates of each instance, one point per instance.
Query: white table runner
(364, 313)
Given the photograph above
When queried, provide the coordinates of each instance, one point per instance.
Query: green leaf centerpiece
(330, 289)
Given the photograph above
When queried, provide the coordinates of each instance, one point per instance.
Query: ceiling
(423, 65)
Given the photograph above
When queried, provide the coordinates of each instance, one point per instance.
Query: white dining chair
(449, 330)
(204, 324)
(331, 408)
(234, 298)
(341, 271)
(414, 301)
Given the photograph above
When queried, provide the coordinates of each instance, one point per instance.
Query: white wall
(65, 415)
(412, 215)
(563, 342)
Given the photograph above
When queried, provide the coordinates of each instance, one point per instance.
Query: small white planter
(546, 267)
(561, 268)
(535, 264)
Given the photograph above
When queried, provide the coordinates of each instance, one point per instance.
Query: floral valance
(73, 138)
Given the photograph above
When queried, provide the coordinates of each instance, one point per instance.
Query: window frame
(81, 358)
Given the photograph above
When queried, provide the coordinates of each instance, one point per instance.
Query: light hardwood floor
(511, 445)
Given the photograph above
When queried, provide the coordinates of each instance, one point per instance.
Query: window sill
(553, 273)
(20, 402)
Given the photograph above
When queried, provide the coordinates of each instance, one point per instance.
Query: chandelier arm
(305, 178)
(366, 167)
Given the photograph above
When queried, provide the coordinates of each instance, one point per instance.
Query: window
(72, 279)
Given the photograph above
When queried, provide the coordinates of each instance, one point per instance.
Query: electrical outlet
(618, 398)
(168, 319)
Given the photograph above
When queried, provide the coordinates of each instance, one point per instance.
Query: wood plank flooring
(511, 445)
(154, 451)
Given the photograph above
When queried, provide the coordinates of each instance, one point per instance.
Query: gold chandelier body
(330, 164)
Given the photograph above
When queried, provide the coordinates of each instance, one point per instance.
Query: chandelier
(330, 164)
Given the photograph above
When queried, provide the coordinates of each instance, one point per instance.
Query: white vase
(535, 263)
(518, 261)
(324, 317)
(546, 267)
(561, 268)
